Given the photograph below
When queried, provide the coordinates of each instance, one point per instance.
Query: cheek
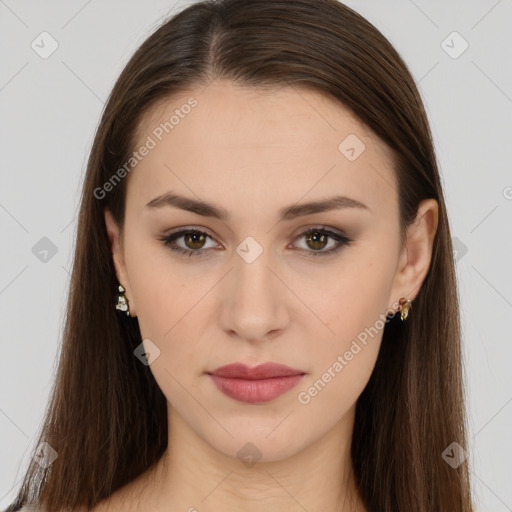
(343, 362)
(159, 287)
(357, 298)
(173, 309)
(356, 317)
(167, 310)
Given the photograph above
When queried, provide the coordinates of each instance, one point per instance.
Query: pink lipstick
(258, 384)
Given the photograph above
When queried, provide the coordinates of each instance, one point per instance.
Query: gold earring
(122, 301)
(405, 306)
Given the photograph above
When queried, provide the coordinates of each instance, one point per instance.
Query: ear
(414, 260)
(116, 246)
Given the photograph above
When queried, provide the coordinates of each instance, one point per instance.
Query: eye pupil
(317, 237)
(195, 237)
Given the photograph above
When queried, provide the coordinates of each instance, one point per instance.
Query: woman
(263, 310)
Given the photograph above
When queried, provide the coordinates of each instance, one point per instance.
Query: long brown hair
(108, 428)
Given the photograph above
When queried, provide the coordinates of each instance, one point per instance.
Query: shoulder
(37, 508)
(31, 508)
(101, 507)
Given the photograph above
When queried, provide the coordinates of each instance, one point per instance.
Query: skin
(254, 152)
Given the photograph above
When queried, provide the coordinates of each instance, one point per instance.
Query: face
(309, 290)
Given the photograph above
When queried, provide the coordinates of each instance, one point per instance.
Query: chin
(258, 444)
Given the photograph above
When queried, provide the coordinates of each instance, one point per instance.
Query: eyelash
(342, 240)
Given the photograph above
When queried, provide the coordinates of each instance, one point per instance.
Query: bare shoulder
(126, 499)
(31, 508)
(133, 496)
(37, 508)
(118, 502)
(121, 500)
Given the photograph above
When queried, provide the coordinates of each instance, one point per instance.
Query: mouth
(259, 384)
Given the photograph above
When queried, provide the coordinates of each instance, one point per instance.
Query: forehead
(275, 146)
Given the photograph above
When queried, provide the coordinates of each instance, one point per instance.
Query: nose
(254, 299)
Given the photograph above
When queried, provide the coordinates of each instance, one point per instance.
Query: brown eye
(194, 240)
(317, 240)
(192, 243)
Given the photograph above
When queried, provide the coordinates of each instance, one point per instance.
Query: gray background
(49, 110)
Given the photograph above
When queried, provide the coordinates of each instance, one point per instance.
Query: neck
(193, 476)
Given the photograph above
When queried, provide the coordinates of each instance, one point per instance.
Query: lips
(259, 384)
(263, 371)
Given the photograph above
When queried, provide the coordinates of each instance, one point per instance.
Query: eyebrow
(287, 213)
